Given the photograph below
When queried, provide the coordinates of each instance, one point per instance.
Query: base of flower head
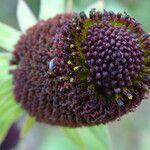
(76, 112)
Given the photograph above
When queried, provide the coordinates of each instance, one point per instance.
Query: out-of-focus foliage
(9, 110)
(27, 125)
(8, 37)
(90, 138)
(49, 8)
(145, 140)
(80, 5)
(24, 10)
(93, 138)
(113, 5)
(140, 10)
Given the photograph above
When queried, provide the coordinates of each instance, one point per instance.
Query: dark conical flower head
(74, 70)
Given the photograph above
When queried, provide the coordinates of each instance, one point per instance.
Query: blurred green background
(132, 132)
(140, 9)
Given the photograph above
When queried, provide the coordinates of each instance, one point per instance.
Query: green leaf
(6, 88)
(10, 110)
(99, 5)
(3, 80)
(49, 8)
(56, 141)
(27, 125)
(25, 16)
(4, 100)
(4, 65)
(5, 123)
(8, 37)
(90, 138)
(6, 84)
(74, 136)
(8, 104)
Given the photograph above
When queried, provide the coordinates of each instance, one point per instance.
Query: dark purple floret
(114, 56)
(73, 70)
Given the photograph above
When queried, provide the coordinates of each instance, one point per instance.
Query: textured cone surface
(75, 70)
